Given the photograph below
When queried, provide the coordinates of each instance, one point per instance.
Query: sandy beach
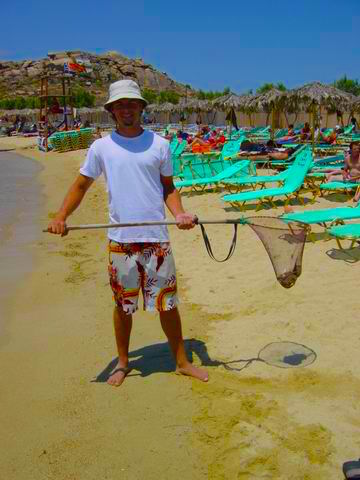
(60, 420)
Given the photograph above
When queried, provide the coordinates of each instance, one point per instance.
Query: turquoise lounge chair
(292, 186)
(180, 148)
(239, 168)
(324, 216)
(350, 231)
(261, 180)
(174, 144)
(345, 187)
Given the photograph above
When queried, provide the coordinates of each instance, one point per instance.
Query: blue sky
(208, 44)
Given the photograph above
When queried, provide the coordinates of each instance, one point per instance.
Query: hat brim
(115, 98)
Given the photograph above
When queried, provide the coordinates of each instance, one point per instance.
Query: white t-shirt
(132, 169)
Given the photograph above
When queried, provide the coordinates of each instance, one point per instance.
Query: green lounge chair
(180, 148)
(344, 187)
(239, 168)
(292, 186)
(254, 181)
(324, 216)
(350, 231)
(174, 144)
(231, 147)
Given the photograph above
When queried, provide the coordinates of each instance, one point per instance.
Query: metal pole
(152, 223)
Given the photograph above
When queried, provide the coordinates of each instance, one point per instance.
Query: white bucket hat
(123, 89)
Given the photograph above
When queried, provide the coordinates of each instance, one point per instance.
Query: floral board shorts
(149, 267)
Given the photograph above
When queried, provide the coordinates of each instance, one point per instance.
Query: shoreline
(262, 420)
(19, 228)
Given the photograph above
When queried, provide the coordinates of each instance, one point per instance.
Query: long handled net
(284, 242)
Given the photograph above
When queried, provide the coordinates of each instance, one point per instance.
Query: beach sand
(61, 421)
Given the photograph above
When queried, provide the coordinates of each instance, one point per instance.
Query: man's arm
(173, 202)
(71, 201)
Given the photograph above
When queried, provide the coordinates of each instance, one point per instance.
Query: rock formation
(22, 78)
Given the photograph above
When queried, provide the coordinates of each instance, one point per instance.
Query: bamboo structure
(45, 97)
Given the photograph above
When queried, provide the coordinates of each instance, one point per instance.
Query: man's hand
(185, 221)
(58, 227)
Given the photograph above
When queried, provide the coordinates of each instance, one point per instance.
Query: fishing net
(284, 243)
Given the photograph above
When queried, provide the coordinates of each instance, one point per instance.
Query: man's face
(127, 112)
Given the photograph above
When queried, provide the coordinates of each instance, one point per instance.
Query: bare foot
(192, 371)
(118, 376)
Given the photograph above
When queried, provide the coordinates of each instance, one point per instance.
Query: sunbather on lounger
(329, 139)
(305, 132)
(351, 171)
(290, 137)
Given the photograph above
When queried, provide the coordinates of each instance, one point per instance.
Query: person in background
(351, 170)
(339, 117)
(305, 132)
(354, 123)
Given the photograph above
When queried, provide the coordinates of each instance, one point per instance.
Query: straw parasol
(312, 97)
(168, 108)
(231, 103)
(226, 102)
(319, 94)
(355, 105)
(270, 102)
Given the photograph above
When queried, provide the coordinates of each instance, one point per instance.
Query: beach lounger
(344, 187)
(293, 186)
(240, 168)
(261, 180)
(324, 216)
(180, 148)
(350, 231)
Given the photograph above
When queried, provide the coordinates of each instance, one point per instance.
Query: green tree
(168, 96)
(266, 87)
(149, 95)
(20, 103)
(82, 98)
(348, 85)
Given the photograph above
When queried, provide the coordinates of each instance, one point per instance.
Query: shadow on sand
(157, 358)
(348, 255)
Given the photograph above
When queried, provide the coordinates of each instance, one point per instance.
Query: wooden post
(46, 113)
(64, 102)
(69, 90)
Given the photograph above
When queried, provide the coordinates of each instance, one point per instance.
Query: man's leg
(171, 324)
(122, 327)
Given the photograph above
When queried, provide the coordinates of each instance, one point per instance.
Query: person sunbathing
(305, 132)
(351, 170)
(259, 151)
(289, 137)
(214, 141)
(329, 139)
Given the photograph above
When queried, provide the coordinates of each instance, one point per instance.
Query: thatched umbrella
(270, 102)
(168, 108)
(313, 96)
(239, 103)
(229, 103)
(194, 105)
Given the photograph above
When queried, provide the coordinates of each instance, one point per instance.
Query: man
(138, 170)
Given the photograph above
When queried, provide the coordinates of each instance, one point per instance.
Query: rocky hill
(22, 78)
